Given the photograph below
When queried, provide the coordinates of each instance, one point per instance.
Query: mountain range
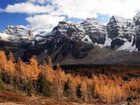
(88, 42)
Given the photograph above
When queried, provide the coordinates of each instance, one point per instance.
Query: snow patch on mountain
(39, 31)
(16, 33)
(128, 46)
(4, 36)
(16, 30)
(107, 41)
(8, 37)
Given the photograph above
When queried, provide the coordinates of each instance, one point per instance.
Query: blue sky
(47, 13)
(11, 18)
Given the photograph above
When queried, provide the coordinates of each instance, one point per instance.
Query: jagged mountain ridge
(90, 41)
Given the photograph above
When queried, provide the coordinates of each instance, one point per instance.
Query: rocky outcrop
(120, 30)
(116, 43)
(69, 30)
(119, 27)
(66, 38)
(95, 30)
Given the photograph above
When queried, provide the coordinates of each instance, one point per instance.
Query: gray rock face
(95, 30)
(120, 30)
(137, 29)
(66, 39)
(116, 43)
(72, 38)
(119, 27)
(68, 30)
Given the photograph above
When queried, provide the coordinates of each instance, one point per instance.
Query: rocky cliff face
(95, 30)
(137, 29)
(89, 39)
(120, 30)
(67, 38)
(119, 27)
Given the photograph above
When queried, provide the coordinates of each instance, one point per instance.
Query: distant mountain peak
(76, 40)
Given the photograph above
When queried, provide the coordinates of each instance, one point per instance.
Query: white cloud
(28, 8)
(90, 8)
(78, 8)
(46, 22)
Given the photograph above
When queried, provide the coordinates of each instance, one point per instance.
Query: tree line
(34, 78)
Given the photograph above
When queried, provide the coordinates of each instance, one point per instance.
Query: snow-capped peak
(17, 30)
(119, 32)
(16, 33)
(137, 16)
